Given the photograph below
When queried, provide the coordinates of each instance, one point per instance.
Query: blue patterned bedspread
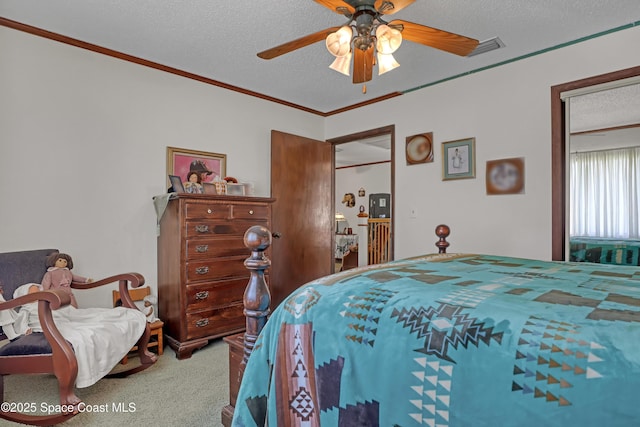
(451, 340)
(605, 251)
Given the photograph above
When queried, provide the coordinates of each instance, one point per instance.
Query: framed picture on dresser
(176, 184)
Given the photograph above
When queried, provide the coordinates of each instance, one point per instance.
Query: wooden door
(302, 214)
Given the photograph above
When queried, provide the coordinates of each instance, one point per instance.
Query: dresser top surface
(220, 198)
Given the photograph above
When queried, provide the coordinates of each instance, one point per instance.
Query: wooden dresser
(201, 272)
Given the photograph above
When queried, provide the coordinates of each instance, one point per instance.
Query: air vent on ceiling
(487, 46)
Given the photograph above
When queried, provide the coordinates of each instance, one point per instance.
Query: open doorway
(559, 148)
(363, 188)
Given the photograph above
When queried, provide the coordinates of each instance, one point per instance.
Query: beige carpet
(173, 392)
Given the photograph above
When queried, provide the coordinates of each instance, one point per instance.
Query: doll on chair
(59, 275)
(14, 324)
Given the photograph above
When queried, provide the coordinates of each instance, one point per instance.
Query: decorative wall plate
(505, 176)
(419, 148)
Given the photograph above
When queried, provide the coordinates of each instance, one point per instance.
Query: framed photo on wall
(459, 159)
(181, 162)
(505, 176)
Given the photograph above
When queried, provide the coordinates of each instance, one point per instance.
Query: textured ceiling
(601, 111)
(609, 108)
(219, 40)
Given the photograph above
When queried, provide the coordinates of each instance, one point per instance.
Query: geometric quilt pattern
(364, 312)
(431, 391)
(464, 340)
(550, 355)
(445, 327)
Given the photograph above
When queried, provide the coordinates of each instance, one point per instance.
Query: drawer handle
(251, 212)
(202, 295)
(202, 323)
(202, 248)
(209, 211)
(202, 228)
(202, 270)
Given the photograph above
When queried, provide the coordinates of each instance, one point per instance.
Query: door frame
(559, 190)
(384, 130)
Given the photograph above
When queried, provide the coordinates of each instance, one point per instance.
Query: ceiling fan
(367, 33)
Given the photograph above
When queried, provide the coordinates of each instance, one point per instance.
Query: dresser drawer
(216, 247)
(215, 294)
(250, 212)
(207, 210)
(216, 269)
(219, 228)
(216, 321)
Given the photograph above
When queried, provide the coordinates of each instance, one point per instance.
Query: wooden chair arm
(135, 280)
(63, 363)
(54, 298)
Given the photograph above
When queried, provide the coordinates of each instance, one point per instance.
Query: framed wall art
(459, 159)
(180, 162)
(419, 148)
(505, 176)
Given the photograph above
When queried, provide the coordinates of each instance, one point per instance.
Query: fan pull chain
(364, 88)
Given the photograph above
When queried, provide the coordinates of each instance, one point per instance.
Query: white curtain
(605, 193)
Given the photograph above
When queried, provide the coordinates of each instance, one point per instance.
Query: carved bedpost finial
(442, 231)
(256, 295)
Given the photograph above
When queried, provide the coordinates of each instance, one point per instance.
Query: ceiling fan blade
(397, 5)
(297, 43)
(362, 65)
(333, 5)
(439, 39)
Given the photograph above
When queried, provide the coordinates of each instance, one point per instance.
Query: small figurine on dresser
(59, 275)
(193, 184)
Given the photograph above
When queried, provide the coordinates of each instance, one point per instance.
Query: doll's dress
(193, 187)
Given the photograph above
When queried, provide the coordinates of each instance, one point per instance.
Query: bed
(447, 340)
(604, 250)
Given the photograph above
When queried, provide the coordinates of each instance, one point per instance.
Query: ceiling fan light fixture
(339, 42)
(367, 33)
(388, 39)
(386, 62)
(342, 64)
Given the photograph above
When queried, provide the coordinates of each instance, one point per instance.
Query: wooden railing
(379, 240)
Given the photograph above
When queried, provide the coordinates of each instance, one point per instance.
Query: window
(605, 193)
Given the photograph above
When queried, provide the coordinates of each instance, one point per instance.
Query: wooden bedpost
(256, 296)
(442, 231)
(257, 300)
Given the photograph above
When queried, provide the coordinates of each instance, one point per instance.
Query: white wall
(508, 110)
(83, 142)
